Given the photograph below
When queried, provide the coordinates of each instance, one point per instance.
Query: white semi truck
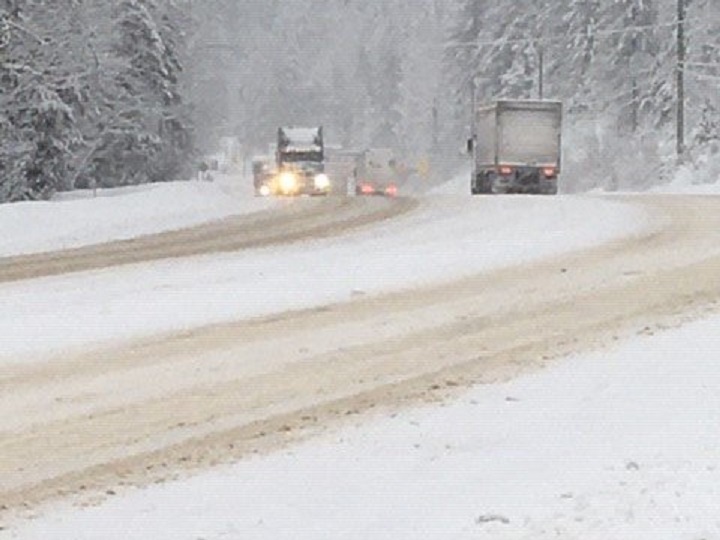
(517, 147)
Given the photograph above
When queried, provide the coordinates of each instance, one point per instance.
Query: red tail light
(550, 172)
(505, 170)
(367, 189)
(391, 190)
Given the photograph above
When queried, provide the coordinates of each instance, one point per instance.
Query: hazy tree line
(401, 73)
(370, 72)
(113, 92)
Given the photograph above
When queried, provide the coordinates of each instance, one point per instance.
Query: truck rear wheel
(486, 183)
(482, 185)
(548, 188)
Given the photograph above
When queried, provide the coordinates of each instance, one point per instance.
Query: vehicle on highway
(378, 173)
(300, 162)
(516, 147)
(342, 165)
(263, 169)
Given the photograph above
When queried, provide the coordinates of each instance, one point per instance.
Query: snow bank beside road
(457, 185)
(702, 180)
(627, 450)
(79, 219)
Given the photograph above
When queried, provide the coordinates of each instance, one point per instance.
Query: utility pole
(540, 49)
(634, 52)
(473, 105)
(435, 128)
(541, 70)
(681, 54)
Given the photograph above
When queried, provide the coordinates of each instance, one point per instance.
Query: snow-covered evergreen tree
(703, 76)
(38, 120)
(70, 95)
(144, 137)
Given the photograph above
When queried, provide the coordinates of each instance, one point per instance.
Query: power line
(703, 76)
(564, 37)
(709, 65)
(680, 85)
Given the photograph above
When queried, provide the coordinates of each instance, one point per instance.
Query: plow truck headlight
(322, 181)
(288, 182)
(265, 191)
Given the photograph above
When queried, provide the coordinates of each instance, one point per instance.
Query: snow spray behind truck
(516, 147)
(300, 160)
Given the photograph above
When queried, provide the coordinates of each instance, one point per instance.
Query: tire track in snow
(298, 220)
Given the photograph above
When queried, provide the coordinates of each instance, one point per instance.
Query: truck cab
(300, 160)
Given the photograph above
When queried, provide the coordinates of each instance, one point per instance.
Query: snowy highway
(286, 224)
(359, 270)
(244, 336)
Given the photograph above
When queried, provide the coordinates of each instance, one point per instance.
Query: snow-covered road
(621, 444)
(448, 238)
(130, 374)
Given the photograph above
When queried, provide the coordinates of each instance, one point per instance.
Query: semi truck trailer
(516, 147)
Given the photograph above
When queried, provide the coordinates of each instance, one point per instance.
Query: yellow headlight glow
(288, 182)
(322, 181)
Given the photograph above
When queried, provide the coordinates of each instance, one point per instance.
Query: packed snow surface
(618, 445)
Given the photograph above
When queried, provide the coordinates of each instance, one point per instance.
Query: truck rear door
(529, 134)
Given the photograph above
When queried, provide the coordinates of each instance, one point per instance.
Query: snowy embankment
(79, 218)
(449, 237)
(703, 180)
(618, 445)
